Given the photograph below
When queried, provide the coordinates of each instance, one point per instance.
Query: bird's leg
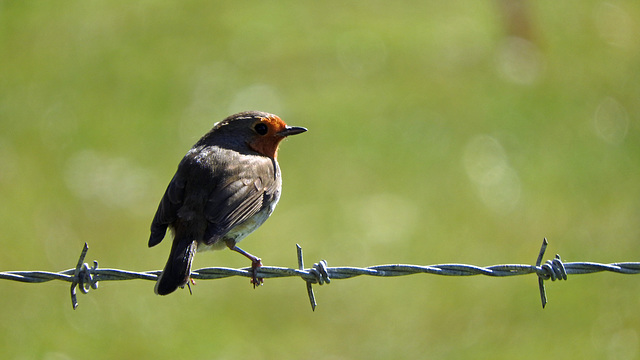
(191, 281)
(256, 262)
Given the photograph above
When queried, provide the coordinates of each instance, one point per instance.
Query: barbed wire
(87, 277)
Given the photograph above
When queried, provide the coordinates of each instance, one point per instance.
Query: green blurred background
(439, 132)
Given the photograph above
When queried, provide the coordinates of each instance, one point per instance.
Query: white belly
(243, 229)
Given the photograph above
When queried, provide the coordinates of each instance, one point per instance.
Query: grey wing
(251, 188)
(168, 209)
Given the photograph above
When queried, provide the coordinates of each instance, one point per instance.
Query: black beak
(292, 130)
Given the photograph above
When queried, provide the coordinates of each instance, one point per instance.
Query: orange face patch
(267, 144)
(274, 123)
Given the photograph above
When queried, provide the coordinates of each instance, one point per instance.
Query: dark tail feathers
(176, 272)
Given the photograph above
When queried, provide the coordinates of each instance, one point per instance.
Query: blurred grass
(439, 132)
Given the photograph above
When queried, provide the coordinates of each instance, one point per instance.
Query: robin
(225, 187)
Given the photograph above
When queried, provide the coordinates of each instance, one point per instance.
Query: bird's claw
(255, 280)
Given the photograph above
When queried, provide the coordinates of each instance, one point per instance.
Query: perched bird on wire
(225, 187)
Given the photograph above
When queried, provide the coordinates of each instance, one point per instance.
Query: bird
(225, 187)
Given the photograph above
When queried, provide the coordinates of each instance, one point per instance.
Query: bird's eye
(261, 129)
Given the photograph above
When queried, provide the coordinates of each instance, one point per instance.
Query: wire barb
(552, 269)
(312, 297)
(543, 293)
(82, 276)
(87, 277)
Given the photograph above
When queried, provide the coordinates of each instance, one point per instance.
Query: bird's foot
(255, 280)
(256, 262)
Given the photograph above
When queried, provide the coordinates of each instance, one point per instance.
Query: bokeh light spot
(115, 182)
(259, 97)
(611, 121)
(487, 165)
(382, 217)
(519, 61)
(615, 25)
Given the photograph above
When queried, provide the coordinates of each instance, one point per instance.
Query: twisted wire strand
(86, 277)
(341, 272)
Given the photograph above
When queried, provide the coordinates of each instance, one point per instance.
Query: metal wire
(86, 277)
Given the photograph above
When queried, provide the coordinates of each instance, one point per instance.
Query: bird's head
(261, 132)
